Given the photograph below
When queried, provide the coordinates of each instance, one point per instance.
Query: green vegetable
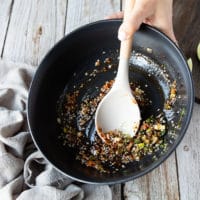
(141, 145)
(198, 51)
(137, 141)
(190, 63)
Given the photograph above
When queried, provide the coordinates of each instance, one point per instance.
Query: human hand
(157, 13)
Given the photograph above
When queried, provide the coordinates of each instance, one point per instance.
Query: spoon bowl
(118, 110)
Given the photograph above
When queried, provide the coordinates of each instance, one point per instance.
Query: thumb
(129, 26)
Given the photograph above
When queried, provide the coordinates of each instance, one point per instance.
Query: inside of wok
(74, 54)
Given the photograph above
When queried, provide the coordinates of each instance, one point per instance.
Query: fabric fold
(24, 173)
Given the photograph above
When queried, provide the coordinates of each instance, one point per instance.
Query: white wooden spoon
(119, 110)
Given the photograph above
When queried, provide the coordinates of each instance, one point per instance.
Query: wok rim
(153, 165)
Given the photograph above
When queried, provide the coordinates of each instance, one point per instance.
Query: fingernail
(122, 36)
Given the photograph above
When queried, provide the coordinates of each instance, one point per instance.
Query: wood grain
(81, 12)
(116, 192)
(5, 13)
(187, 30)
(35, 26)
(188, 156)
(160, 184)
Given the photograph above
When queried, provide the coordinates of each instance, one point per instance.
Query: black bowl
(77, 52)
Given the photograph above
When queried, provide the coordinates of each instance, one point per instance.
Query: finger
(130, 26)
(140, 11)
(171, 35)
(117, 15)
(166, 26)
(163, 19)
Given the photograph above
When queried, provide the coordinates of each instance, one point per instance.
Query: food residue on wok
(119, 149)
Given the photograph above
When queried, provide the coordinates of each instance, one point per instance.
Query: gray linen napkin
(24, 173)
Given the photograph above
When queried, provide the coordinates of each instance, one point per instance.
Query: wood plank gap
(177, 172)
(121, 5)
(197, 100)
(122, 191)
(65, 20)
(10, 14)
(55, 4)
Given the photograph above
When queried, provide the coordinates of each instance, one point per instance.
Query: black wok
(77, 52)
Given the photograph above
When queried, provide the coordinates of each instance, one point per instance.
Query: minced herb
(119, 149)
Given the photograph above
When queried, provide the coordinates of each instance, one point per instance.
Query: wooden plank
(187, 31)
(188, 157)
(161, 183)
(116, 192)
(81, 12)
(35, 26)
(5, 12)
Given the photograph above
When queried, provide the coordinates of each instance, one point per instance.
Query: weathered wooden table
(29, 28)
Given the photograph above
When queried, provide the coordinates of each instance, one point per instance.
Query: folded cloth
(24, 173)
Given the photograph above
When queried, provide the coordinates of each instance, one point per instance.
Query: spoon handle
(126, 46)
(122, 78)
